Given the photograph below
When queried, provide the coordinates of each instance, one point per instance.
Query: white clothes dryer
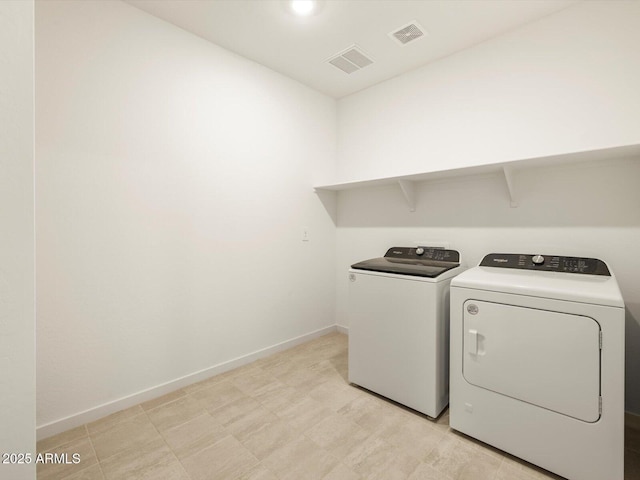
(537, 362)
(399, 325)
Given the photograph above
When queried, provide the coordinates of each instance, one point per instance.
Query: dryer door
(545, 358)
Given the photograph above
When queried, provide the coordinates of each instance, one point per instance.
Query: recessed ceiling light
(303, 7)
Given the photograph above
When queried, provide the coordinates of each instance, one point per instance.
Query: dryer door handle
(472, 342)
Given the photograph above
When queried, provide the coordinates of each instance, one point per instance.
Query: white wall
(566, 83)
(173, 182)
(17, 317)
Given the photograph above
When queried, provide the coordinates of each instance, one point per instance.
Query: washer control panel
(423, 253)
(547, 263)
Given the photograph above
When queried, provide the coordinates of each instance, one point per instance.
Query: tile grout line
(63, 444)
(204, 411)
(94, 452)
(197, 451)
(168, 446)
(302, 433)
(258, 461)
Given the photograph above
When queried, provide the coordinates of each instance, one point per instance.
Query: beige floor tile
(303, 413)
(334, 369)
(376, 459)
(334, 395)
(341, 472)
(414, 434)
(62, 438)
(224, 460)
(337, 435)
(175, 413)
(228, 412)
(253, 382)
(194, 435)
(243, 418)
(268, 388)
(374, 414)
(157, 402)
(92, 473)
(259, 472)
(480, 467)
(218, 394)
(279, 396)
(126, 435)
(299, 459)
(370, 445)
(279, 364)
(241, 371)
(342, 372)
(425, 472)
(151, 461)
(172, 471)
(316, 359)
(221, 377)
(303, 378)
(461, 461)
(358, 408)
(274, 358)
(113, 419)
(231, 412)
(81, 446)
(269, 437)
(325, 347)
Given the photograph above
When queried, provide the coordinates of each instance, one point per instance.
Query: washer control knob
(537, 259)
(419, 251)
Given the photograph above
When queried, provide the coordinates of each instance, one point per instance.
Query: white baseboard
(342, 329)
(92, 414)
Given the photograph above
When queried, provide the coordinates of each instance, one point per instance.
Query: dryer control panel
(547, 263)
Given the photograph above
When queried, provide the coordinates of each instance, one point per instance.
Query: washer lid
(419, 262)
(593, 289)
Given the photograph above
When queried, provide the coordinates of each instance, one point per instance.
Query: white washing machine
(399, 326)
(537, 362)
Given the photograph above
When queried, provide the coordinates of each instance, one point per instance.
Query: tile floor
(291, 416)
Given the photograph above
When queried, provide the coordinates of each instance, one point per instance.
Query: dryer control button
(537, 259)
(472, 308)
(419, 251)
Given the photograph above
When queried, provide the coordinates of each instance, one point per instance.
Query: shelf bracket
(509, 175)
(409, 192)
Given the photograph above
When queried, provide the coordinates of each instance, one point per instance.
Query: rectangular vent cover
(350, 60)
(408, 33)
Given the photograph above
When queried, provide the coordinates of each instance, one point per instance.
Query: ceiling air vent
(350, 60)
(408, 33)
